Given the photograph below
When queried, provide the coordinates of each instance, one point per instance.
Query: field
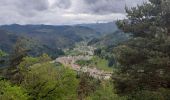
(96, 62)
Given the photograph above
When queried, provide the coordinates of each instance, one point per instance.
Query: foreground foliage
(105, 92)
(46, 81)
(39, 79)
(9, 91)
(143, 62)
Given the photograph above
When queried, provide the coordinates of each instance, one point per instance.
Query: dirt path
(94, 72)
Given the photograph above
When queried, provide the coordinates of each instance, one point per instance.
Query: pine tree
(144, 61)
(19, 52)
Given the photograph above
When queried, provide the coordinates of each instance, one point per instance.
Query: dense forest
(134, 57)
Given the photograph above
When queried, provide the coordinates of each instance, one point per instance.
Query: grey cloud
(62, 11)
(25, 4)
(24, 7)
(32, 7)
(110, 6)
(91, 1)
(64, 4)
(39, 5)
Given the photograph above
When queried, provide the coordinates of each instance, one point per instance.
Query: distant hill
(8, 40)
(59, 36)
(50, 38)
(112, 39)
(104, 28)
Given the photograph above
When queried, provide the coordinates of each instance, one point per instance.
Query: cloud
(105, 6)
(38, 5)
(102, 6)
(62, 11)
(64, 4)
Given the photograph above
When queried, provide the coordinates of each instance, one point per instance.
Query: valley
(50, 39)
(85, 50)
(63, 62)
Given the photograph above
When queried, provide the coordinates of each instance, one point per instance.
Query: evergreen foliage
(144, 61)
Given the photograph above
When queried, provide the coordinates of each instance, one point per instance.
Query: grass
(101, 64)
(73, 53)
(97, 62)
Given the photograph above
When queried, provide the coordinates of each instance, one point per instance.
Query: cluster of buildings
(94, 72)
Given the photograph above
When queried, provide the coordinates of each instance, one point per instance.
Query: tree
(144, 61)
(105, 92)
(45, 81)
(2, 54)
(19, 52)
(13, 71)
(87, 85)
(97, 52)
(11, 92)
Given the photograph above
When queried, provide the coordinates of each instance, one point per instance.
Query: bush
(11, 92)
(160, 94)
(105, 92)
(45, 81)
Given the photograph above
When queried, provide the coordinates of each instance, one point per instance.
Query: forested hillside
(112, 39)
(105, 28)
(58, 36)
(35, 47)
(48, 39)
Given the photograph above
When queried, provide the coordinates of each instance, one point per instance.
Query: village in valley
(83, 52)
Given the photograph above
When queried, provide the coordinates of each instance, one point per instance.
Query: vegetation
(105, 92)
(112, 39)
(143, 62)
(80, 49)
(37, 78)
(73, 53)
(41, 80)
(96, 62)
(101, 64)
(35, 47)
(104, 28)
(9, 91)
(93, 89)
(2, 54)
(87, 85)
(50, 35)
(140, 65)
(46, 81)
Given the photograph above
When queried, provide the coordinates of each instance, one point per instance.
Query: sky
(59, 12)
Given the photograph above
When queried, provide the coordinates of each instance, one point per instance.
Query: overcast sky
(62, 11)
